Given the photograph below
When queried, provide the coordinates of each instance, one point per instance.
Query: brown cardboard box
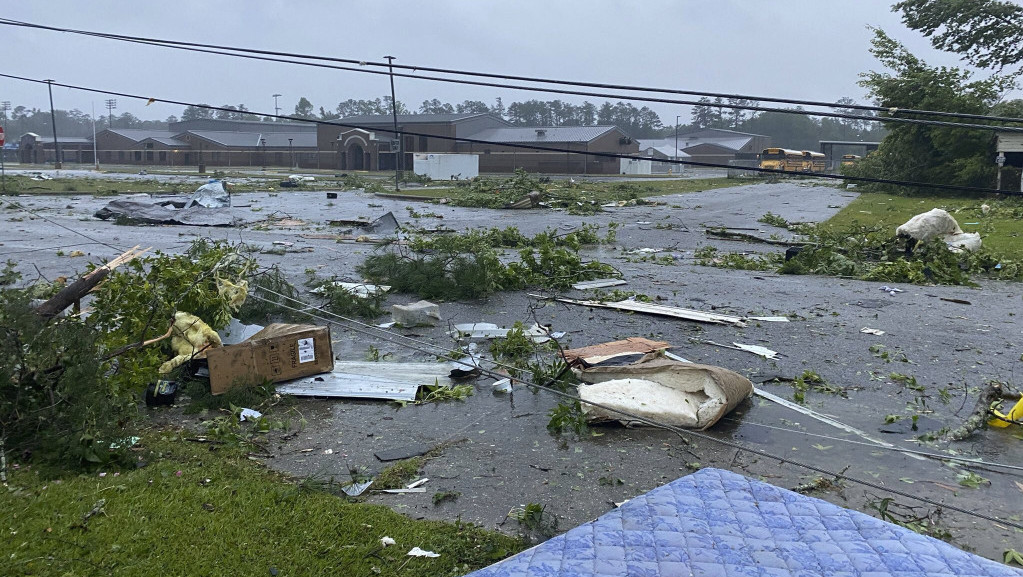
(279, 352)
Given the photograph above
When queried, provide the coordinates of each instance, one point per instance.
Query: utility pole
(291, 153)
(95, 155)
(394, 116)
(4, 107)
(676, 142)
(111, 105)
(277, 109)
(53, 122)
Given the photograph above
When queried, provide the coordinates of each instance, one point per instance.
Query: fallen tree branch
(992, 392)
(78, 289)
(732, 235)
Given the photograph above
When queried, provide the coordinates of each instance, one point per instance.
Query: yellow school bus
(849, 159)
(793, 160)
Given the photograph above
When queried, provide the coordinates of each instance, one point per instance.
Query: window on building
(120, 155)
(138, 156)
(149, 155)
(163, 156)
(423, 144)
(410, 142)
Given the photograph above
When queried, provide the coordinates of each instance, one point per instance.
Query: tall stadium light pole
(277, 109)
(53, 123)
(95, 156)
(111, 105)
(394, 117)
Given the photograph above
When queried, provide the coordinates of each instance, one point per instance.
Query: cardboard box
(279, 352)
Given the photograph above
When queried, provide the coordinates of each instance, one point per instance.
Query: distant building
(713, 145)
(35, 149)
(373, 146)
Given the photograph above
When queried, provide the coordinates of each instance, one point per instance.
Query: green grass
(206, 509)
(101, 186)
(1001, 229)
(600, 192)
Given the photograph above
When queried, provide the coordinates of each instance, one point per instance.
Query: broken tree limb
(992, 392)
(78, 289)
(732, 235)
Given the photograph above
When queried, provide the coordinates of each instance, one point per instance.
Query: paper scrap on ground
(870, 331)
(417, 552)
(248, 414)
(385, 541)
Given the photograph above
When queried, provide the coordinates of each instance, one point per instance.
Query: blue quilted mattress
(715, 522)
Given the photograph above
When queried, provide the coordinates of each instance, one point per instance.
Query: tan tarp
(662, 390)
(594, 354)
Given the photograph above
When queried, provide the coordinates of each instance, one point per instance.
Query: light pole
(291, 153)
(676, 139)
(263, 142)
(277, 109)
(111, 105)
(4, 107)
(53, 123)
(394, 117)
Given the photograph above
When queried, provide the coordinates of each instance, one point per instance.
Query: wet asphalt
(494, 449)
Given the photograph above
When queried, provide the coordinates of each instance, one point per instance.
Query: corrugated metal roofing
(550, 134)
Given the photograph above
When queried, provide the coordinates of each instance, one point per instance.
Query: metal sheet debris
(417, 314)
(660, 310)
(599, 283)
(870, 331)
(359, 380)
(356, 489)
(400, 453)
(210, 195)
(769, 319)
(755, 349)
(145, 213)
(360, 290)
(536, 333)
(401, 491)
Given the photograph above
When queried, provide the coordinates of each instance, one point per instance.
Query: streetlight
(277, 109)
(291, 153)
(53, 123)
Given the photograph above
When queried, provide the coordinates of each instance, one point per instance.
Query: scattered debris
(1014, 417)
(417, 552)
(938, 223)
(989, 396)
(236, 332)
(279, 352)
(134, 212)
(627, 350)
(599, 283)
(732, 235)
(356, 489)
(161, 393)
(769, 319)
(502, 386)
(213, 194)
(361, 290)
(680, 394)
(415, 484)
(191, 338)
(75, 291)
(402, 453)
(464, 368)
(385, 541)
(483, 331)
(957, 301)
(755, 349)
(870, 331)
(403, 491)
(249, 414)
(361, 380)
(891, 290)
(417, 314)
(660, 310)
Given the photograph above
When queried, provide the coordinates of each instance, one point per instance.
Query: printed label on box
(306, 351)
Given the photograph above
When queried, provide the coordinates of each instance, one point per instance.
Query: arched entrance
(356, 157)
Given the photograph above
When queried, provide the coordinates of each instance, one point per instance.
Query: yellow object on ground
(1001, 421)
(190, 337)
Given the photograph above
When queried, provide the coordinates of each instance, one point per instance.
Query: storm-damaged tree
(987, 33)
(927, 153)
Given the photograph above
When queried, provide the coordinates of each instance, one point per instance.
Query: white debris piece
(417, 552)
(385, 541)
(870, 331)
(249, 414)
(421, 313)
(938, 223)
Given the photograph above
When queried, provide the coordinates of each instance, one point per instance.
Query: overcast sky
(806, 49)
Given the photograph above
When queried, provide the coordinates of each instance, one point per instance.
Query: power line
(241, 52)
(533, 147)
